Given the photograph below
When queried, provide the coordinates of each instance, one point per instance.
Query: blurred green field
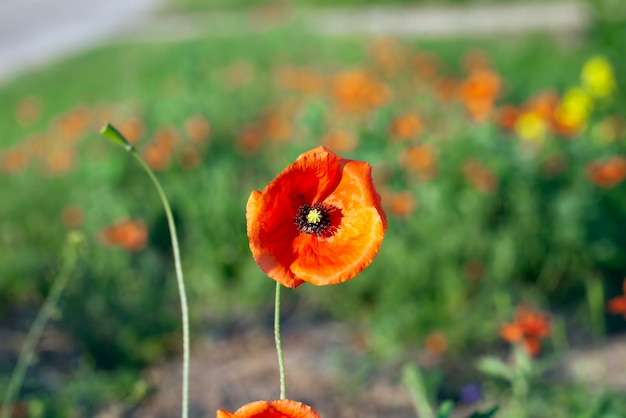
(485, 212)
(200, 5)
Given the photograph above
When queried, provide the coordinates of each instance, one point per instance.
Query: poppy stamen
(314, 216)
(313, 219)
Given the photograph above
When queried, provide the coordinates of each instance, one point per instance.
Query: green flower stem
(110, 132)
(595, 300)
(279, 348)
(414, 382)
(70, 255)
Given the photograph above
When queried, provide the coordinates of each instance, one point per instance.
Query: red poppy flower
(319, 221)
(607, 173)
(529, 328)
(129, 234)
(271, 409)
(617, 305)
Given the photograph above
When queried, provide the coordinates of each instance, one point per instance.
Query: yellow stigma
(314, 216)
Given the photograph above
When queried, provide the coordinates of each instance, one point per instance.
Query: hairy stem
(279, 348)
(110, 132)
(70, 255)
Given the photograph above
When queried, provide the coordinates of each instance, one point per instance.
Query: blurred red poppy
(529, 328)
(129, 234)
(319, 221)
(617, 305)
(607, 173)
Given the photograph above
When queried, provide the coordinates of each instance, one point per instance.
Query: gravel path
(36, 32)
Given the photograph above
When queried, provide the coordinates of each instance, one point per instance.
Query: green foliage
(200, 5)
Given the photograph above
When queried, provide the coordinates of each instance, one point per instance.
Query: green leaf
(414, 381)
(495, 367)
(445, 409)
(487, 414)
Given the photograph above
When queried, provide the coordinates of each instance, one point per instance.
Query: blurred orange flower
(133, 129)
(72, 216)
(545, 105)
(388, 56)
(271, 409)
(357, 91)
(250, 140)
(479, 92)
(426, 65)
(617, 305)
(529, 328)
(400, 204)
(158, 154)
(507, 116)
(277, 126)
(476, 60)
(436, 343)
(607, 173)
(189, 157)
(197, 128)
(73, 124)
(304, 80)
(340, 141)
(166, 138)
(158, 158)
(421, 160)
(447, 89)
(405, 127)
(60, 160)
(129, 234)
(479, 176)
(319, 221)
(14, 160)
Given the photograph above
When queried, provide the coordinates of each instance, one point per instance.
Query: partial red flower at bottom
(319, 221)
(271, 409)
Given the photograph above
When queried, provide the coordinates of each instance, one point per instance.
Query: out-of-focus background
(497, 135)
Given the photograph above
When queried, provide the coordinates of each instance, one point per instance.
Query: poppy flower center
(313, 219)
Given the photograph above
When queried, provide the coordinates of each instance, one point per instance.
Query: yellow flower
(597, 77)
(574, 110)
(531, 127)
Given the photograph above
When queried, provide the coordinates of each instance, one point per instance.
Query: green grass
(202, 5)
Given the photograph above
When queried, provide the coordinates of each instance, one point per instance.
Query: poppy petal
(356, 242)
(266, 409)
(269, 243)
(358, 236)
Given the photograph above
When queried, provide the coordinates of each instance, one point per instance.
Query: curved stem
(279, 348)
(179, 279)
(110, 132)
(26, 355)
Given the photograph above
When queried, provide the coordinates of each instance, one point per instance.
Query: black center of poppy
(313, 219)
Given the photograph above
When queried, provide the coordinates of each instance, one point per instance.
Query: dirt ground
(325, 368)
(328, 366)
